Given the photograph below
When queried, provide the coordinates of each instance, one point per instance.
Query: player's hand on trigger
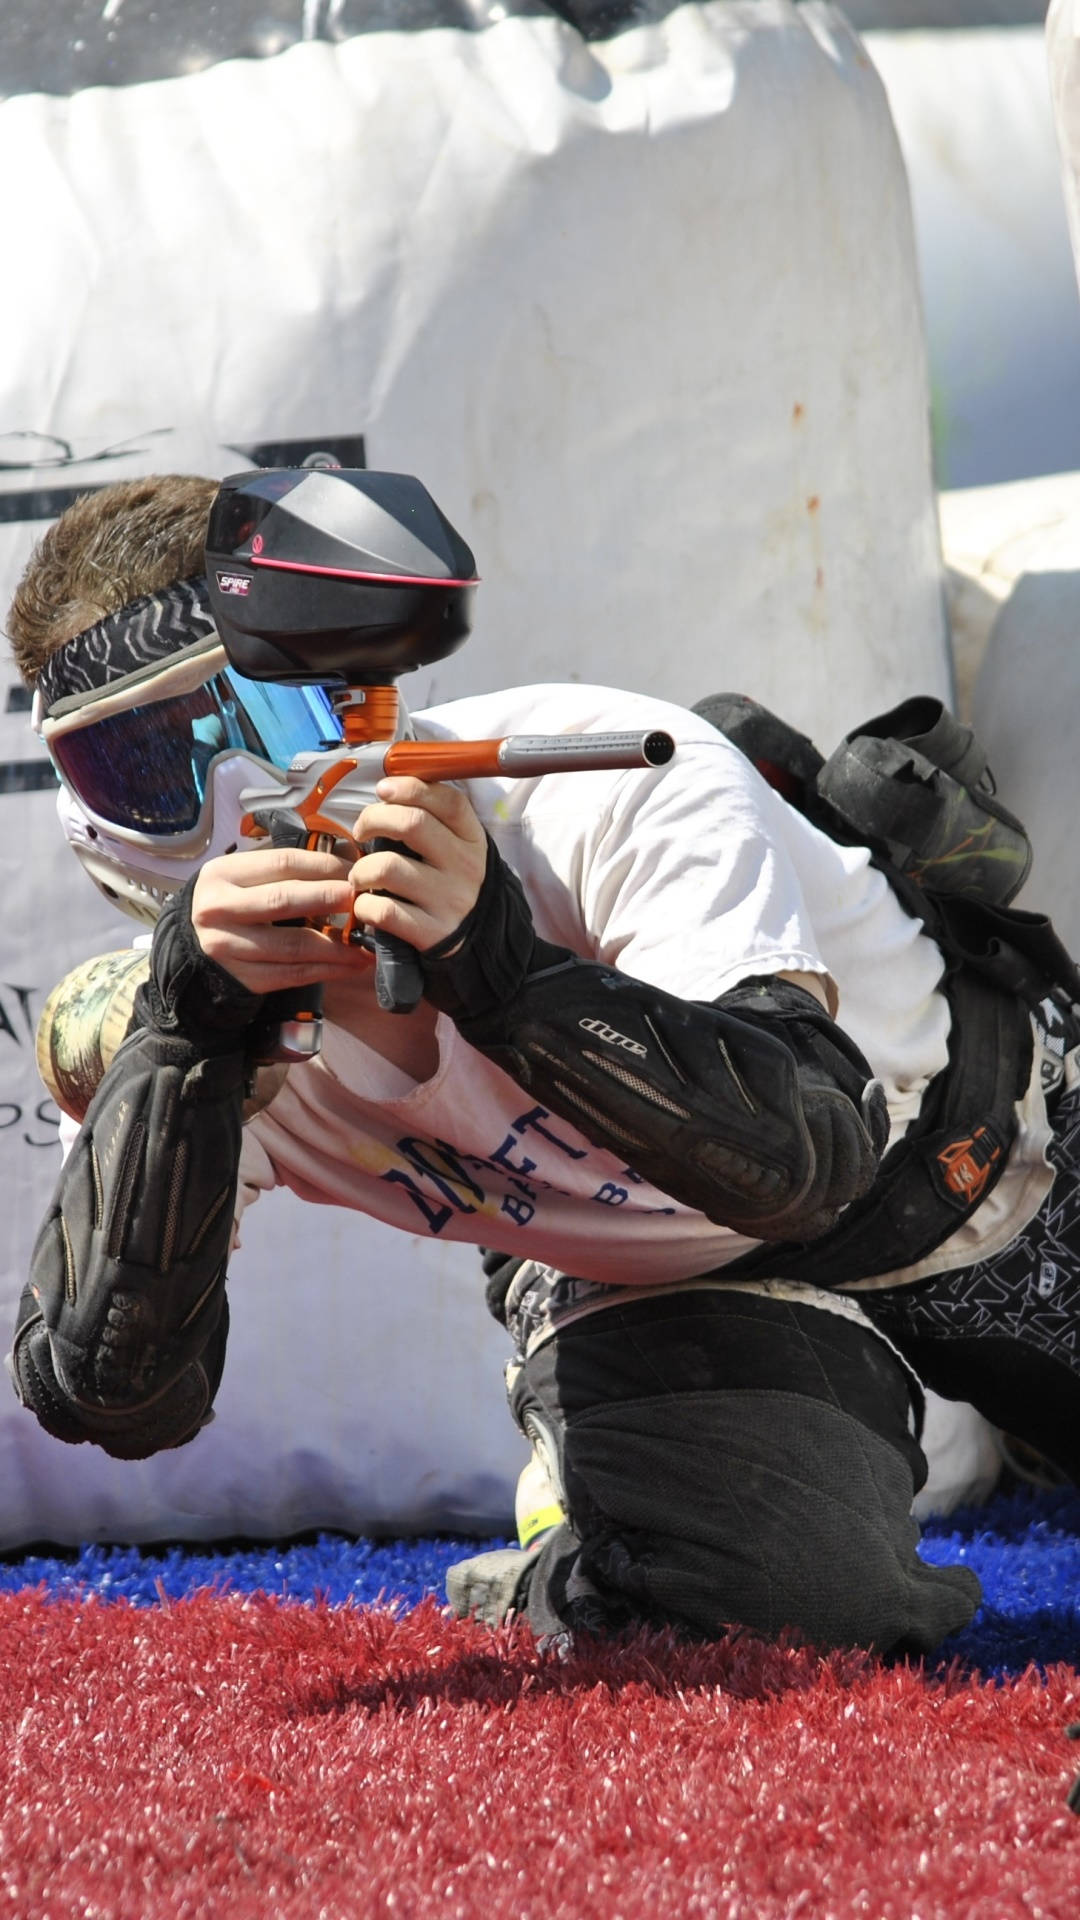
(243, 902)
(421, 900)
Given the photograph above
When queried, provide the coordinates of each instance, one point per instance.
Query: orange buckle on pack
(965, 1164)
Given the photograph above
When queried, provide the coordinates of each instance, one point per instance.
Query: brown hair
(110, 547)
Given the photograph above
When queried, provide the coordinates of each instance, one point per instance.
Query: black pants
(731, 1457)
(1005, 1333)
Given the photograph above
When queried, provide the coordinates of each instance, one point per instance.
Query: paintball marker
(347, 578)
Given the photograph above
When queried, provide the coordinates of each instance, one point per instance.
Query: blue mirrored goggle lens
(147, 768)
(285, 720)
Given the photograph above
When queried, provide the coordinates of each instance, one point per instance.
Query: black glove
(187, 993)
(479, 967)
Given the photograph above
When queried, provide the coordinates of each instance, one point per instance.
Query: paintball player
(669, 1030)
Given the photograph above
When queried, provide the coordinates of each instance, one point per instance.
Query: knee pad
(732, 1458)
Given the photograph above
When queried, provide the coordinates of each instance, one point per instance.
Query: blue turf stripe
(330, 1568)
(1025, 1548)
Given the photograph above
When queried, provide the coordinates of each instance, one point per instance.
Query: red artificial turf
(249, 1757)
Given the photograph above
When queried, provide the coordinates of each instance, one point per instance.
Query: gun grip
(399, 983)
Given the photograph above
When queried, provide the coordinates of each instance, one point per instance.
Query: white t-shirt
(693, 877)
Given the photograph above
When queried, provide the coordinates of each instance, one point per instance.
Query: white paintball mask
(155, 737)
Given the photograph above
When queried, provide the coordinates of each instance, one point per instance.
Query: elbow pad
(120, 1336)
(756, 1110)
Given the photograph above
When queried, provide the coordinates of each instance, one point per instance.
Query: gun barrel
(532, 753)
(527, 755)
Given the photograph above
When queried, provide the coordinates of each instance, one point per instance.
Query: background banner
(643, 314)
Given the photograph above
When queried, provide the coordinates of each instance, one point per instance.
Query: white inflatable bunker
(973, 116)
(643, 314)
(1025, 708)
(1063, 50)
(1013, 567)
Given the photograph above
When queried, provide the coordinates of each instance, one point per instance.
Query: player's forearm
(121, 1330)
(757, 1110)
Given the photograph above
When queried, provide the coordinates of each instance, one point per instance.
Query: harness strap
(1002, 963)
(949, 1159)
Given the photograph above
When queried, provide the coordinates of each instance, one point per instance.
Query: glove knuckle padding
(757, 1110)
(188, 993)
(121, 1333)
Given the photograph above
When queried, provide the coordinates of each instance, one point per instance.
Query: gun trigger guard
(282, 826)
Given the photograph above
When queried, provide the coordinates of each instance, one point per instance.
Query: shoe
(492, 1586)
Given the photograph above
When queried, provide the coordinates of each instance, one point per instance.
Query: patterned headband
(139, 635)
